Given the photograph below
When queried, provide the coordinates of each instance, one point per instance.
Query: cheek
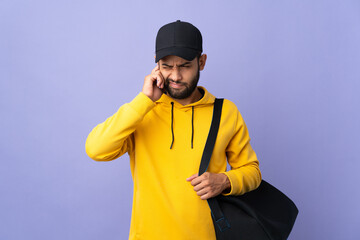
(190, 73)
(192, 70)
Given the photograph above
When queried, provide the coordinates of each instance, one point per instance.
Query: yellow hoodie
(165, 141)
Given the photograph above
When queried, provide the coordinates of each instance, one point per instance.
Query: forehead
(174, 60)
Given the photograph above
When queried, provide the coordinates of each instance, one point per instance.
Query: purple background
(292, 68)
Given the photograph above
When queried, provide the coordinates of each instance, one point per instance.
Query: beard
(184, 93)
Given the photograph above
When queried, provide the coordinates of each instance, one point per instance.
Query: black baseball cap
(178, 38)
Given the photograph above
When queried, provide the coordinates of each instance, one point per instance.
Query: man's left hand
(209, 185)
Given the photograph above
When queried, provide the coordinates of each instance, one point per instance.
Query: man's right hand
(153, 84)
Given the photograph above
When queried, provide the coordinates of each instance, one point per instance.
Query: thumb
(189, 179)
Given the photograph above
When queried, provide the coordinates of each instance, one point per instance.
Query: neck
(194, 97)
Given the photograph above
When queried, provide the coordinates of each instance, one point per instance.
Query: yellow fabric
(165, 206)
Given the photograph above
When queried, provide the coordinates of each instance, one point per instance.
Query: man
(164, 130)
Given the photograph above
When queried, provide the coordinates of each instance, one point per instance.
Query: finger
(192, 177)
(206, 196)
(199, 187)
(155, 69)
(202, 192)
(156, 78)
(205, 175)
(161, 81)
(197, 181)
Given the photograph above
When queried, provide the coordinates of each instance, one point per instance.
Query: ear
(202, 61)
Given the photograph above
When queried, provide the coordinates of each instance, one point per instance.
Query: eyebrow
(181, 65)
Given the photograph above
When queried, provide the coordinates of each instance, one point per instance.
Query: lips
(175, 85)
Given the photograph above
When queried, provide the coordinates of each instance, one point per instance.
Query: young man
(164, 130)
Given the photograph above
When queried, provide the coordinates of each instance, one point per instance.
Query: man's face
(181, 76)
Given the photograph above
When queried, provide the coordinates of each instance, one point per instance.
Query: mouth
(175, 84)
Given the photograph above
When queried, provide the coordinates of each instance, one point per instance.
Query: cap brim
(185, 53)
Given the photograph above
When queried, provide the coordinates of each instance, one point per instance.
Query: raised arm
(114, 137)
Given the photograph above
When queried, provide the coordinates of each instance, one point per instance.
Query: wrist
(148, 96)
(227, 184)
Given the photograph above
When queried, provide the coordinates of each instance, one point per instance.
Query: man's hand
(209, 185)
(153, 84)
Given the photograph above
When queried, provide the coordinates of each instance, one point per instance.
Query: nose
(176, 74)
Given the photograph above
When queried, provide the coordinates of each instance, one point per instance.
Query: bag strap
(216, 212)
(211, 139)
